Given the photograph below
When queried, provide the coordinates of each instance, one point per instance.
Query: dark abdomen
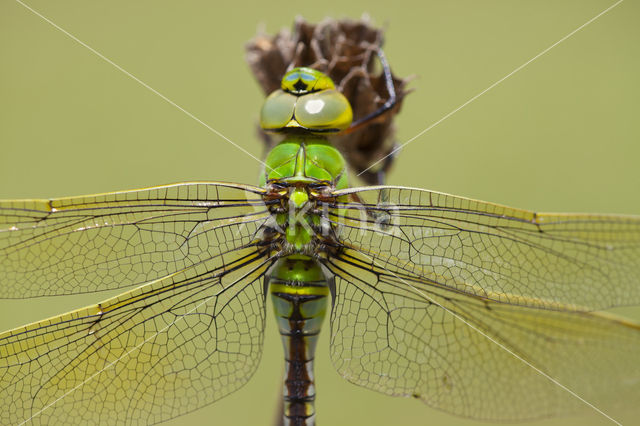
(299, 292)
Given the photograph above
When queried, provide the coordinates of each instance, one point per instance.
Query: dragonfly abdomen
(299, 292)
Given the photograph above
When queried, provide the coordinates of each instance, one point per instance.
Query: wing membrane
(114, 240)
(153, 353)
(471, 307)
(557, 261)
(475, 357)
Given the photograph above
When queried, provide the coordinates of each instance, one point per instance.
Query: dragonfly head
(306, 102)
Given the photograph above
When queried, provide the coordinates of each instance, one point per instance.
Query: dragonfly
(478, 309)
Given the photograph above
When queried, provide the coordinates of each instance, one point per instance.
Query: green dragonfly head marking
(303, 80)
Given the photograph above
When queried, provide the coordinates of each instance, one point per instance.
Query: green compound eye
(325, 111)
(300, 81)
(277, 110)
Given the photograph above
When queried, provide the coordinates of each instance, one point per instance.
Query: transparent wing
(148, 355)
(114, 240)
(475, 357)
(556, 261)
(465, 304)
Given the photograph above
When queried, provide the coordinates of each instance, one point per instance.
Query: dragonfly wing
(153, 353)
(555, 261)
(471, 306)
(114, 240)
(475, 357)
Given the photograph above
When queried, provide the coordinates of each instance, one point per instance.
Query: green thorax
(305, 159)
(298, 170)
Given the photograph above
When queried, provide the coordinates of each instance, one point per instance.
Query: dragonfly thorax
(299, 160)
(301, 175)
(299, 224)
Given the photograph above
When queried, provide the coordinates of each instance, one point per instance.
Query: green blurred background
(560, 135)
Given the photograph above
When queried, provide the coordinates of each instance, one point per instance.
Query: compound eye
(277, 110)
(325, 111)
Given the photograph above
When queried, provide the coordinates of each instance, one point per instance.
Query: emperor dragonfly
(428, 290)
(383, 222)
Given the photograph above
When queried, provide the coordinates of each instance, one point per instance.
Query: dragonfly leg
(388, 105)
